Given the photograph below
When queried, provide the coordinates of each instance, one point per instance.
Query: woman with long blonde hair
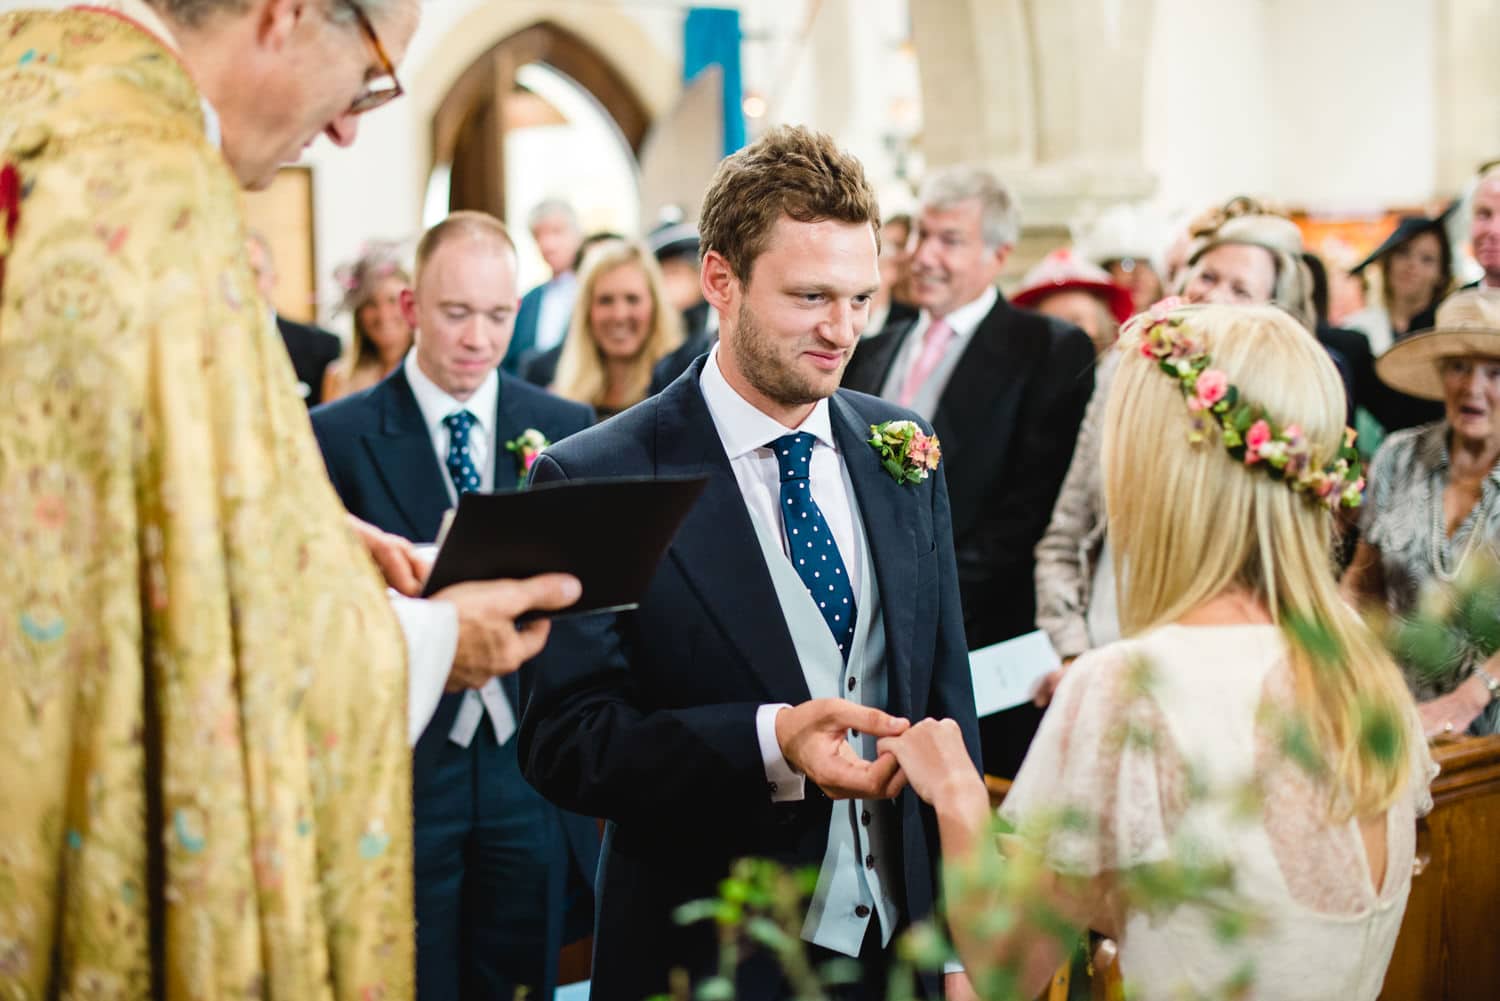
(1248, 718)
(622, 326)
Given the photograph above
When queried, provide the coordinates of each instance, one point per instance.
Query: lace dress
(1166, 744)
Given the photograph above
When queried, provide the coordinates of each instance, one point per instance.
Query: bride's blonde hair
(1189, 522)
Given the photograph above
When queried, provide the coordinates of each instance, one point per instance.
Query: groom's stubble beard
(755, 353)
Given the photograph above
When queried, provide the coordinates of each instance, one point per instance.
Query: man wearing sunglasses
(206, 692)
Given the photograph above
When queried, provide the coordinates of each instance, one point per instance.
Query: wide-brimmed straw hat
(1064, 271)
(1467, 326)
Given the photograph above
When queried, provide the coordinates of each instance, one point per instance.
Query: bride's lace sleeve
(1102, 782)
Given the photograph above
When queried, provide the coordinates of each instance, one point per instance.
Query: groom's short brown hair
(790, 171)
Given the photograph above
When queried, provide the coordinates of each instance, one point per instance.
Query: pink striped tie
(935, 340)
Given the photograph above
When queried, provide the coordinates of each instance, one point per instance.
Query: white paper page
(1006, 674)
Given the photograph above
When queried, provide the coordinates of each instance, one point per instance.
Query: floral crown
(1250, 435)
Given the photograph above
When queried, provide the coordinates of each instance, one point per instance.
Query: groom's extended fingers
(885, 772)
(844, 775)
(866, 719)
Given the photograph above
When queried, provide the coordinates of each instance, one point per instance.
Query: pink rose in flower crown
(1257, 438)
(1212, 386)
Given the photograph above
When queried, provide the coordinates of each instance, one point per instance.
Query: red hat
(1062, 271)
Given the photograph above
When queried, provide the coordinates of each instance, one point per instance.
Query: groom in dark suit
(492, 857)
(808, 606)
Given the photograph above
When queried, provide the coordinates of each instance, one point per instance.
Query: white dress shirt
(964, 320)
(746, 434)
(555, 311)
(436, 404)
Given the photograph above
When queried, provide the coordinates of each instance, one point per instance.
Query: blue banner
(711, 37)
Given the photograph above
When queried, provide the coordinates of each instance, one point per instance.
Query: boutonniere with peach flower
(905, 450)
(526, 446)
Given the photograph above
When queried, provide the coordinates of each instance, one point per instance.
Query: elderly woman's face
(1471, 396)
(1232, 274)
(381, 316)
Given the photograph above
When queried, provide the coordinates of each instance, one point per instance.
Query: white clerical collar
(436, 404)
(743, 428)
(966, 319)
(147, 18)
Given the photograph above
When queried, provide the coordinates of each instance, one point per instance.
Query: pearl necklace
(1480, 516)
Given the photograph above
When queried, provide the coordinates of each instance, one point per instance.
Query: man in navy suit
(808, 606)
(542, 321)
(492, 856)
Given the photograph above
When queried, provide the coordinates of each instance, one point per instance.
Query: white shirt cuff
(785, 784)
(952, 966)
(431, 632)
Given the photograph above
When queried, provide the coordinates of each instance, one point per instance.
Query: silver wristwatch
(1491, 683)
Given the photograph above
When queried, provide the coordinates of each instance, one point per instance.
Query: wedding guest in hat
(372, 285)
(1415, 264)
(1433, 503)
(1066, 286)
(1126, 241)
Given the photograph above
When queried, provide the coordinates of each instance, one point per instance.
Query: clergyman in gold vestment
(204, 771)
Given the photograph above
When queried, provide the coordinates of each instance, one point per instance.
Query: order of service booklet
(610, 534)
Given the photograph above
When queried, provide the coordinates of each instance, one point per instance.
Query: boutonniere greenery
(906, 452)
(526, 446)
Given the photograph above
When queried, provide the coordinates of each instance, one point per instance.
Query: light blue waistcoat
(856, 873)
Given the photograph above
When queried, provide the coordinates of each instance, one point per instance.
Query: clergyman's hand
(814, 739)
(490, 643)
(397, 558)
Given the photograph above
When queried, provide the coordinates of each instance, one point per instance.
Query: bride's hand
(935, 761)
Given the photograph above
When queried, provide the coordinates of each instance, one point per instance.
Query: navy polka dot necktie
(460, 457)
(814, 553)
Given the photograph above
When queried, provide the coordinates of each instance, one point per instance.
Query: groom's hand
(814, 739)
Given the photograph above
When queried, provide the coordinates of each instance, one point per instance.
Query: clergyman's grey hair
(1000, 223)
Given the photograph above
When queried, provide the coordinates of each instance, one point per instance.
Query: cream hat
(1467, 326)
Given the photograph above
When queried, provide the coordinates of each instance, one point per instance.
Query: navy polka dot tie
(814, 554)
(460, 458)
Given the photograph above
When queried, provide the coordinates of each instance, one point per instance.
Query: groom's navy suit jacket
(647, 717)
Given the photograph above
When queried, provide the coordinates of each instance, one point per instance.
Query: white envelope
(1007, 674)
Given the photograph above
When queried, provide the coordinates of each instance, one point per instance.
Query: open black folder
(610, 534)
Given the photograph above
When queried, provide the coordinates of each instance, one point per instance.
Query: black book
(610, 534)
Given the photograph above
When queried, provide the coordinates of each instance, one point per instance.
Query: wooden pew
(1448, 949)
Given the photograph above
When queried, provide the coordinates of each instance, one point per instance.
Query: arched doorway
(541, 113)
